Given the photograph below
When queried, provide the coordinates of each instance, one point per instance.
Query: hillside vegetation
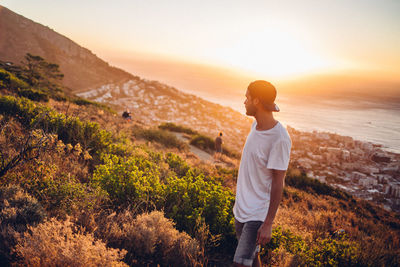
(81, 186)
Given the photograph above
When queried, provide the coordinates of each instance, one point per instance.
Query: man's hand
(264, 234)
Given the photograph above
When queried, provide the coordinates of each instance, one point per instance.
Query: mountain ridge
(21, 35)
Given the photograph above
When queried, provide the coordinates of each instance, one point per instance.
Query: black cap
(265, 92)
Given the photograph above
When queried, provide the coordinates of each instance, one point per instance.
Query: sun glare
(273, 52)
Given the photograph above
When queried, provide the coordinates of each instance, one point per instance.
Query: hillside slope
(82, 68)
(84, 162)
(152, 103)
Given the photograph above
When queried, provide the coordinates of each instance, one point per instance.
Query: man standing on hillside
(218, 146)
(265, 159)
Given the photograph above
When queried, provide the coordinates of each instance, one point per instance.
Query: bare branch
(30, 149)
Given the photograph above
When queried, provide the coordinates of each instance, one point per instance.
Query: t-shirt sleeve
(279, 156)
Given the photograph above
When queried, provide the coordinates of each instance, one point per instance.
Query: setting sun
(273, 52)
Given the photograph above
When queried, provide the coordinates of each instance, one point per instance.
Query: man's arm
(265, 231)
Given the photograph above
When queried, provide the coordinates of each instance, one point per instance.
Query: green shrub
(286, 239)
(22, 109)
(86, 102)
(71, 130)
(198, 140)
(314, 186)
(66, 195)
(177, 164)
(59, 193)
(339, 251)
(332, 252)
(135, 181)
(33, 94)
(129, 181)
(82, 102)
(191, 198)
(203, 142)
(8, 80)
(59, 97)
(160, 136)
(208, 144)
(176, 128)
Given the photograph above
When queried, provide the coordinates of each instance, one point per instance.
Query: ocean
(363, 120)
(376, 125)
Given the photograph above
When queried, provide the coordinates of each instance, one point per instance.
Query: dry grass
(314, 216)
(8, 239)
(230, 162)
(18, 209)
(56, 243)
(150, 238)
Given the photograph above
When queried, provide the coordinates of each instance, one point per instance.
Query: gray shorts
(246, 234)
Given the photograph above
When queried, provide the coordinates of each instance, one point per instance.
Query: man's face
(249, 105)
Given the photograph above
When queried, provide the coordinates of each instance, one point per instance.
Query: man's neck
(265, 120)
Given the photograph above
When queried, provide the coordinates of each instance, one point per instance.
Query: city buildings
(362, 169)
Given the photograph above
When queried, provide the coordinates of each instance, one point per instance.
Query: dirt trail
(197, 151)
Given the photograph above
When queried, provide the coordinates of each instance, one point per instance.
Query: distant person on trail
(127, 115)
(218, 146)
(265, 159)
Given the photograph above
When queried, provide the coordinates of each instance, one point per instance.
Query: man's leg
(256, 262)
(246, 249)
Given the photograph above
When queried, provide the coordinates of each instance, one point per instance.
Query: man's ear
(256, 101)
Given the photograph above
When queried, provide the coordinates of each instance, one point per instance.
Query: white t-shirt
(263, 151)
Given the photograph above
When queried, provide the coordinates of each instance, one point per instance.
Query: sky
(278, 39)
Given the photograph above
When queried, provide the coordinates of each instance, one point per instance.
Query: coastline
(360, 168)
